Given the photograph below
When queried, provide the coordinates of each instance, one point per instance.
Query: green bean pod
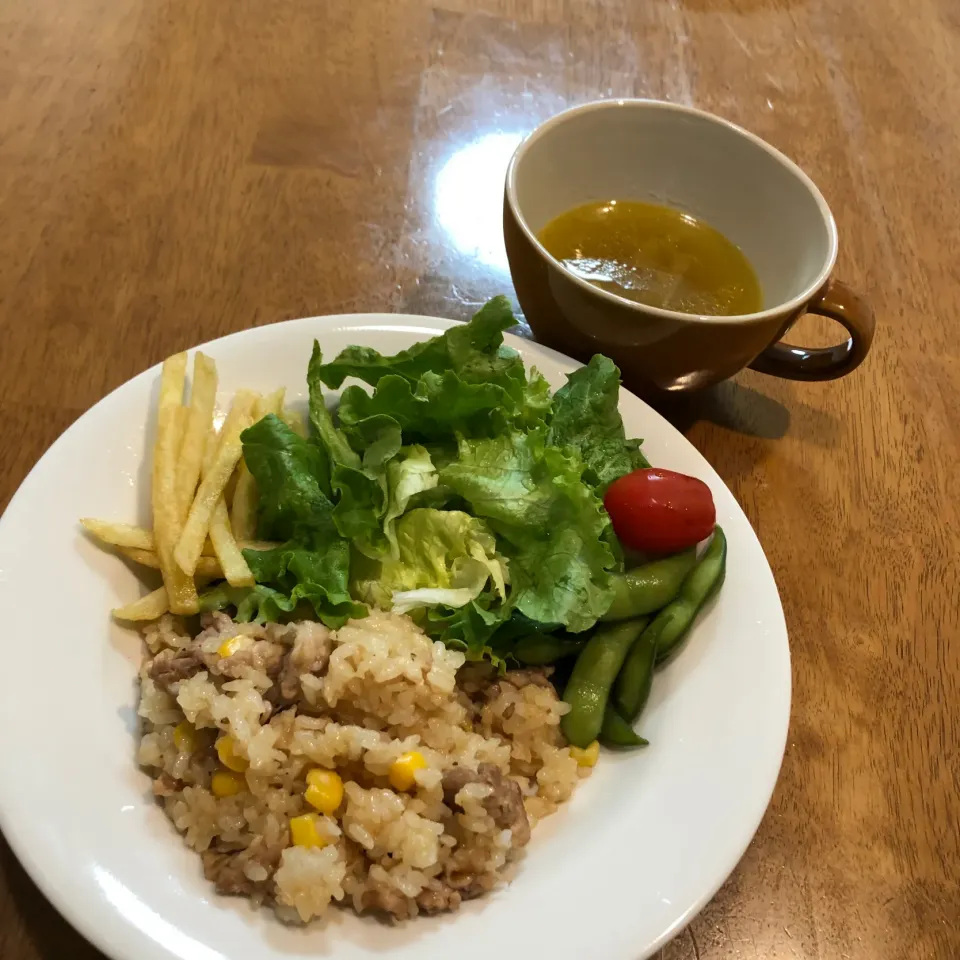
(632, 688)
(616, 732)
(649, 587)
(699, 585)
(538, 649)
(594, 672)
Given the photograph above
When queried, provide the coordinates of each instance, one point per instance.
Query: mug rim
(769, 313)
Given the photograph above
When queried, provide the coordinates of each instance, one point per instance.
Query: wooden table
(170, 172)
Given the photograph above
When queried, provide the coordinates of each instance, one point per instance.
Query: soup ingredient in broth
(655, 255)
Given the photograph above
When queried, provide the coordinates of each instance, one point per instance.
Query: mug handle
(840, 303)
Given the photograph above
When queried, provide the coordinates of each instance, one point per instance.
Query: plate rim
(100, 935)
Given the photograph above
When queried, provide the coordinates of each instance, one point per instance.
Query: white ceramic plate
(644, 844)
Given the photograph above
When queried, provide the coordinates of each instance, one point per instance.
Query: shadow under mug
(707, 167)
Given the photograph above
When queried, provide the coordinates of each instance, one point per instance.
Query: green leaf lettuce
(313, 562)
(586, 418)
(444, 557)
(555, 528)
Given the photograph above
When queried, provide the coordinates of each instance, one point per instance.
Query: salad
(457, 490)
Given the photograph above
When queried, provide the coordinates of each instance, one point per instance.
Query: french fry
(192, 534)
(180, 589)
(146, 558)
(210, 445)
(203, 395)
(119, 534)
(257, 544)
(232, 482)
(243, 504)
(294, 420)
(215, 479)
(271, 403)
(138, 538)
(244, 403)
(150, 607)
(208, 567)
(227, 549)
(228, 493)
(243, 509)
(180, 421)
(232, 561)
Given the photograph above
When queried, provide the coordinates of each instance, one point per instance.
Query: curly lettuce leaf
(537, 401)
(328, 436)
(444, 557)
(358, 480)
(471, 628)
(435, 407)
(409, 475)
(586, 418)
(473, 350)
(313, 562)
(315, 571)
(293, 480)
(555, 529)
(464, 381)
(306, 598)
(363, 496)
(259, 604)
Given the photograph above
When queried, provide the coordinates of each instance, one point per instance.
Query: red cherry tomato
(659, 511)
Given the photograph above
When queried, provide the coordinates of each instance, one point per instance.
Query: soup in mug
(654, 255)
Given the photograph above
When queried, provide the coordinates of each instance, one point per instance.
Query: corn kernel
(225, 783)
(227, 752)
(231, 645)
(324, 790)
(185, 737)
(588, 756)
(304, 832)
(402, 769)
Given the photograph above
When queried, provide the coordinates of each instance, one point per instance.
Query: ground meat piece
(262, 655)
(522, 678)
(225, 872)
(539, 677)
(467, 873)
(505, 804)
(310, 654)
(256, 652)
(437, 896)
(455, 779)
(165, 786)
(216, 620)
(171, 666)
(385, 900)
(228, 871)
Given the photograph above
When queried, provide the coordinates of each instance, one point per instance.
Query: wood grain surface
(171, 171)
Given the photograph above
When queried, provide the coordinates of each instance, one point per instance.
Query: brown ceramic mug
(703, 165)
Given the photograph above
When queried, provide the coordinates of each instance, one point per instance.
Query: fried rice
(290, 699)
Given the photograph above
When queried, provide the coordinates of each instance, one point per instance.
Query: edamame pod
(649, 587)
(537, 649)
(616, 732)
(699, 585)
(594, 672)
(632, 689)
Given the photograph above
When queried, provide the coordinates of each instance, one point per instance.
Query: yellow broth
(654, 255)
